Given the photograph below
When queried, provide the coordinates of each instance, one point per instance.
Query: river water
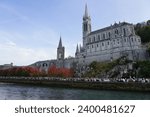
(27, 92)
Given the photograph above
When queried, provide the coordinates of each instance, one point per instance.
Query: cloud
(24, 50)
(10, 43)
(10, 52)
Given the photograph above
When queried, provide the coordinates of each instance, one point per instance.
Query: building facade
(105, 44)
(109, 43)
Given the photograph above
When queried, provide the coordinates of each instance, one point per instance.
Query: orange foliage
(53, 71)
(60, 72)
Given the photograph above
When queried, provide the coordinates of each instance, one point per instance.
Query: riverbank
(71, 83)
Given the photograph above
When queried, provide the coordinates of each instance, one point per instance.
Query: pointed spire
(77, 49)
(86, 11)
(60, 43)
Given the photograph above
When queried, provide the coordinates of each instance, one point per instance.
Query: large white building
(109, 43)
(105, 44)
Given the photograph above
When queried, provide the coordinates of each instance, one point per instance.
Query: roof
(110, 27)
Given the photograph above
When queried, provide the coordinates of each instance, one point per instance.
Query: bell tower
(60, 51)
(86, 26)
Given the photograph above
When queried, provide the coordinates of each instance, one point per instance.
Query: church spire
(77, 49)
(86, 11)
(60, 43)
(86, 26)
(60, 51)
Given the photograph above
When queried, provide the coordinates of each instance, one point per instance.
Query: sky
(30, 29)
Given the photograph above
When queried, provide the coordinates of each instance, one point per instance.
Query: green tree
(144, 33)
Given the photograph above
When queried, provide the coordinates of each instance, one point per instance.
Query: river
(10, 91)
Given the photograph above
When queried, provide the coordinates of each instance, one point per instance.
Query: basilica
(106, 44)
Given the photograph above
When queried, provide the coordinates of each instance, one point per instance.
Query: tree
(144, 33)
(148, 22)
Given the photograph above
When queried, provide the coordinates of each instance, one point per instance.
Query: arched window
(102, 44)
(116, 31)
(108, 42)
(85, 27)
(44, 65)
(94, 39)
(132, 39)
(124, 32)
(109, 34)
(98, 37)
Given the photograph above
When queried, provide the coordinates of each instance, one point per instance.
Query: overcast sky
(30, 29)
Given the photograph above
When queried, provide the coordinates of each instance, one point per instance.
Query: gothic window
(92, 46)
(124, 32)
(103, 36)
(125, 40)
(94, 39)
(114, 41)
(116, 31)
(109, 34)
(44, 65)
(98, 37)
(97, 45)
(102, 44)
(85, 27)
(132, 39)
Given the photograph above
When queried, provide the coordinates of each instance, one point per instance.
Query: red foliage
(20, 71)
(60, 72)
(53, 71)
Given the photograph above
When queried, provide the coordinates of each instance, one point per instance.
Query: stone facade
(105, 44)
(109, 43)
